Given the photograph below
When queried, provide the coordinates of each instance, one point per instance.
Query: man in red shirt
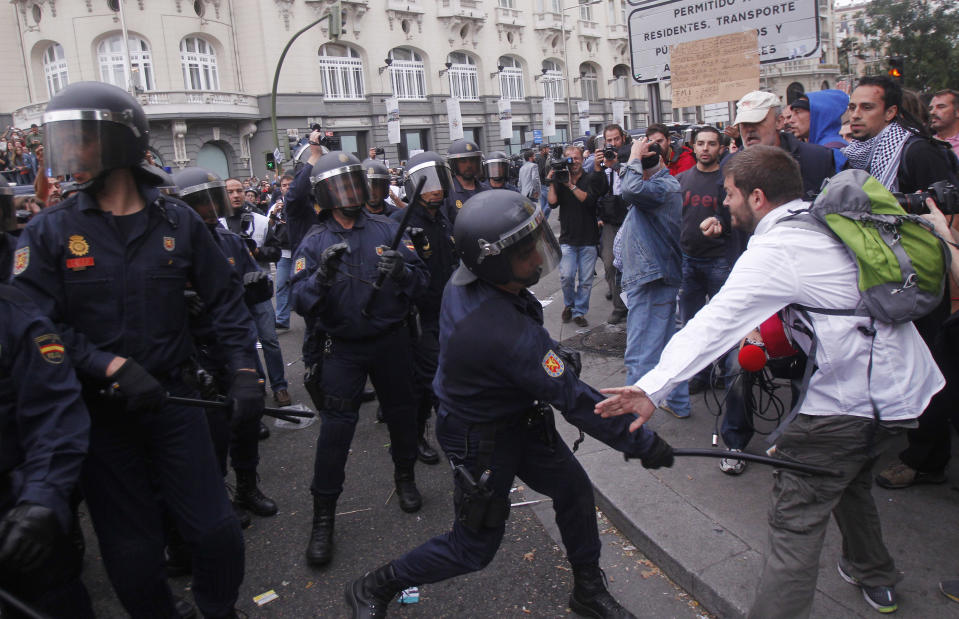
(676, 160)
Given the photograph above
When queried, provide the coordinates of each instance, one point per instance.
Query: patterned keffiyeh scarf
(880, 155)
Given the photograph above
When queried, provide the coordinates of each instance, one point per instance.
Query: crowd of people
(142, 285)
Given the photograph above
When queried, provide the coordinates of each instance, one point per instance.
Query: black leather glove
(247, 394)
(143, 392)
(392, 263)
(27, 534)
(659, 454)
(257, 287)
(419, 238)
(329, 262)
(194, 304)
(571, 358)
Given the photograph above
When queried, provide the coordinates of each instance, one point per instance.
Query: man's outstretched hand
(625, 400)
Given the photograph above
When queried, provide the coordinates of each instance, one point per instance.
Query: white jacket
(784, 265)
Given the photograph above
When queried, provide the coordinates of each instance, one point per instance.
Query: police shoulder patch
(299, 265)
(50, 347)
(21, 260)
(169, 243)
(553, 365)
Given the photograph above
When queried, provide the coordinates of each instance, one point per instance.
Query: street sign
(537, 136)
(716, 113)
(787, 29)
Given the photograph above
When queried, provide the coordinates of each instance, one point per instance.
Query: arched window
(198, 59)
(113, 67)
(621, 83)
(463, 82)
(342, 72)
(407, 74)
(510, 79)
(588, 82)
(553, 81)
(55, 69)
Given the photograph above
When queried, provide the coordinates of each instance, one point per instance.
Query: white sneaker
(732, 466)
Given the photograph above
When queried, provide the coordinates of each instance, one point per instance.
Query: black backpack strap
(806, 376)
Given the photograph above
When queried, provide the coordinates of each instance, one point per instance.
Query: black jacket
(816, 163)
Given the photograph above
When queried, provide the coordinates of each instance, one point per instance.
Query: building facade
(203, 70)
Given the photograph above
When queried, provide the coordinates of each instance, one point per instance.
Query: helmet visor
(344, 190)
(209, 200)
(497, 169)
(535, 254)
(85, 147)
(437, 175)
(379, 189)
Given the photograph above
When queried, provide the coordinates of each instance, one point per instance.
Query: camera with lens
(379, 150)
(330, 141)
(943, 193)
(560, 165)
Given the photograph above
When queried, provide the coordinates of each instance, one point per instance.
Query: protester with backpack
(810, 276)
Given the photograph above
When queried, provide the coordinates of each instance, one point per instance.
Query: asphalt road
(528, 578)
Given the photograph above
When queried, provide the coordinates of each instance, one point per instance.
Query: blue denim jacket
(651, 230)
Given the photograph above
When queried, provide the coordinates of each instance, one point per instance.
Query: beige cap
(754, 106)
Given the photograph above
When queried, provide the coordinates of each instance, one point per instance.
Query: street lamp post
(569, 84)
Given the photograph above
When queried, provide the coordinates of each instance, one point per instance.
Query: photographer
(785, 267)
(570, 192)
(611, 210)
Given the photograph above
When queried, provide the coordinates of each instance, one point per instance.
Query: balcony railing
(616, 31)
(510, 17)
(549, 21)
(586, 28)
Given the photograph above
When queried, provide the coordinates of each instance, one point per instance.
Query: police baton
(801, 467)
(397, 239)
(20, 605)
(293, 416)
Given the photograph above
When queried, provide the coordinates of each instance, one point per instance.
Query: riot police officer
(466, 161)
(378, 180)
(432, 234)
(498, 371)
(205, 192)
(7, 241)
(108, 266)
(44, 434)
(333, 270)
(496, 171)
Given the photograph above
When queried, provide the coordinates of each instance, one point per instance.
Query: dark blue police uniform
(115, 288)
(496, 359)
(440, 257)
(458, 197)
(8, 243)
(356, 346)
(44, 434)
(385, 209)
(242, 441)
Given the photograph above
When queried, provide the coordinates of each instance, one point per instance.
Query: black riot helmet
(338, 182)
(205, 192)
(91, 128)
(166, 185)
(377, 180)
(437, 173)
(496, 166)
(493, 227)
(8, 212)
(462, 151)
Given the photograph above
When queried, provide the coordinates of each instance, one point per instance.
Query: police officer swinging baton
(293, 416)
(397, 239)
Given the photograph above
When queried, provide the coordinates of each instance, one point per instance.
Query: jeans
(650, 323)
(543, 204)
(613, 276)
(701, 277)
(578, 260)
(265, 320)
(284, 270)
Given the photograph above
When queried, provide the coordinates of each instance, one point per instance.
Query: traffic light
(336, 20)
(270, 162)
(896, 68)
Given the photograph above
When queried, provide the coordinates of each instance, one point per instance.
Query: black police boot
(370, 595)
(406, 492)
(425, 451)
(248, 495)
(590, 598)
(184, 610)
(320, 549)
(264, 432)
(179, 559)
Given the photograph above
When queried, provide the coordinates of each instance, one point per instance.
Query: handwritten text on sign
(716, 69)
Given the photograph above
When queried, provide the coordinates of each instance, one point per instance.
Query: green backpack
(902, 263)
